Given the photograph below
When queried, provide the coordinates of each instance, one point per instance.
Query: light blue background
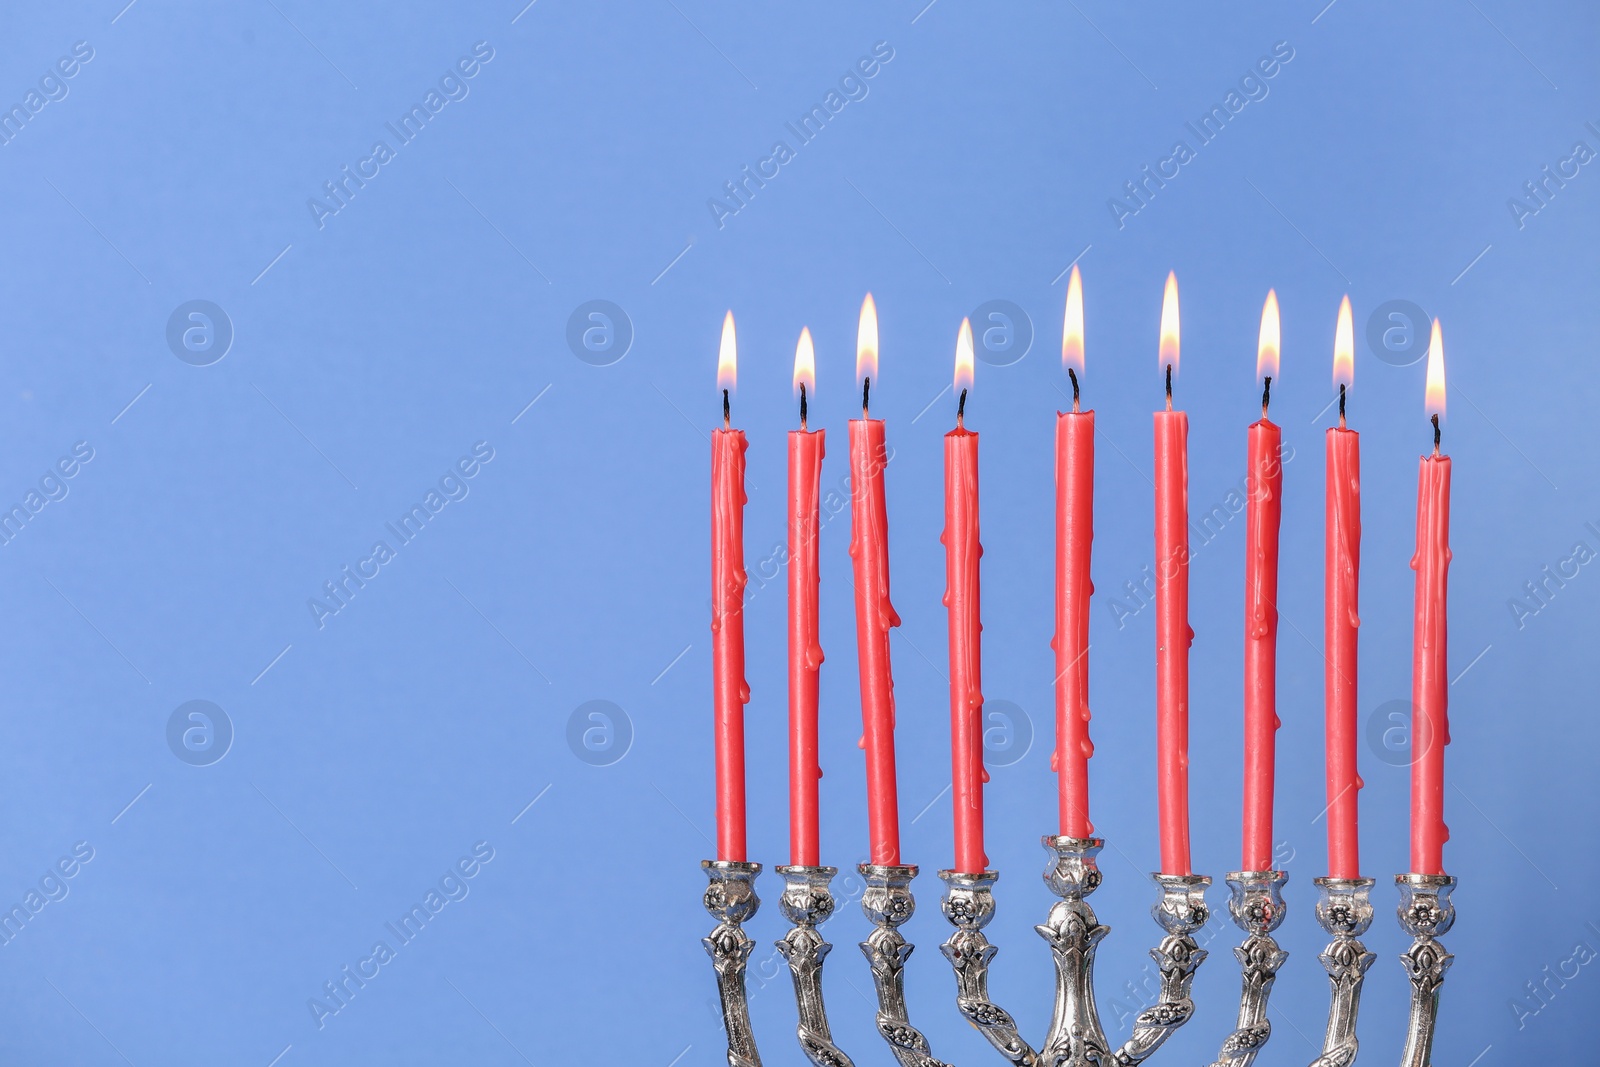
(426, 315)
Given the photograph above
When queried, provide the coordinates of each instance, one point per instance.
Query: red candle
(805, 647)
(1341, 618)
(869, 554)
(1173, 635)
(1430, 686)
(1263, 516)
(730, 693)
(962, 553)
(1074, 536)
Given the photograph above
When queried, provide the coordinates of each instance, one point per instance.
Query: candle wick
(802, 405)
(1435, 420)
(961, 410)
(726, 413)
(1074, 376)
(1266, 396)
(866, 391)
(1169, 387)
(1341, 405)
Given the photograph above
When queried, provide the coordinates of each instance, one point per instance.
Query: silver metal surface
(1257, 908)
(1076, 1037)
(731, 899)
(1344, 908)
(888, 903)
(1426, 914)
(807, 902)
(969, 905)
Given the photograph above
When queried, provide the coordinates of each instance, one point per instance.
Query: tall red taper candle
(1263, 517)
(730, 692)
(1430, 683)
(962, 553)
(869, 554)
(1074, 537)
(1173, 635)
(1341, 616)
(806, 449)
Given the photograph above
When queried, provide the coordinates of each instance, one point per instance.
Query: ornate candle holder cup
(731, 899)
(1344, 910)
(1426, 914)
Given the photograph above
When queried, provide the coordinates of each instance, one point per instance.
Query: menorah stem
(731, 899)
(1425, 913)
(1073, 933)
(1345, 912)
(969, 905)
(1257, 907)
(888, 903)
(807, 903)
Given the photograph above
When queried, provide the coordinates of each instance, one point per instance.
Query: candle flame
(964, 360)
(867, 341)
(1344, 348)
(727, 356)
(1435, 392)
(1267, 342)
(1072, 329)
(1169, 324)
(805, 364)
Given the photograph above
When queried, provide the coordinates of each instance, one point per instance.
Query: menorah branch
(1425, 913)
(807, 903)
(1257, 908)
(1345, 912)
(888, 903)
(731, 899)
(969, 905)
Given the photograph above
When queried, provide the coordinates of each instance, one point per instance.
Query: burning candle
(1264, 513)
(1341, 618)
(869, 553)
(1173, 635)
(805, 648)
(962, 553)
(1430, 728)
(730, 692)
(1074, 536)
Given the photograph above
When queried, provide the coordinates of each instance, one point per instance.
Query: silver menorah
(1075, 1037)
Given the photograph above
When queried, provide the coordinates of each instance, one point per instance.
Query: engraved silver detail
(1257, 908)
(888, 903)
(1344, 909)
(1425, 913)
(969, 905)
(731, 899)
(807, 903)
